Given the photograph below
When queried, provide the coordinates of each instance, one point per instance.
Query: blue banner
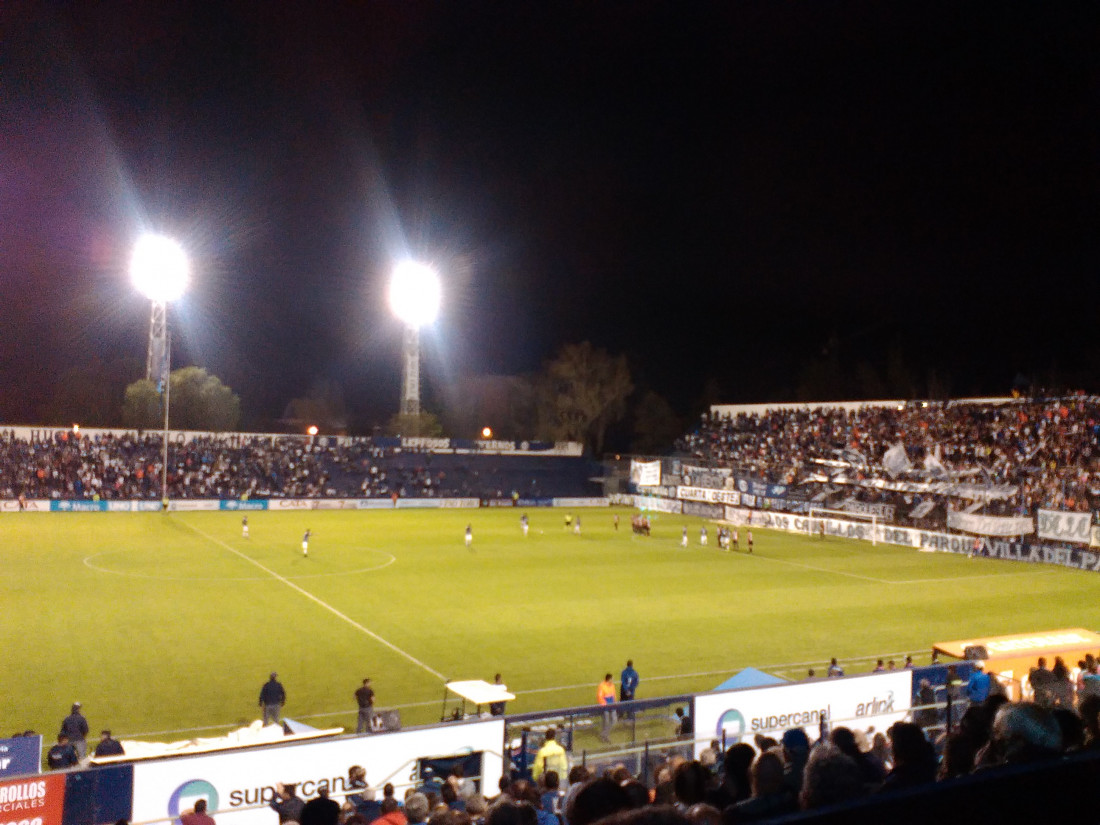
(20, 755)
(68, 506)
(234, 504)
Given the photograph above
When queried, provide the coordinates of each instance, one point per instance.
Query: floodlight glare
(415, 293)
(159, 268)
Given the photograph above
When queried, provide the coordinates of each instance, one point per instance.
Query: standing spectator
(287, 804)
(416, 808)
(108, 746)
(320, 810)
(463, 785)
(977, 688)
(497, 708)
(75, 728)
(272, 699)
(364, 696)
(199, 816)
(835, 670)
(62, 755)
(628, 681)
(551, 757)
(605, 695)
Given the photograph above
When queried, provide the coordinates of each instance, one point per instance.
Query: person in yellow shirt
(605, 695)
(551, 757)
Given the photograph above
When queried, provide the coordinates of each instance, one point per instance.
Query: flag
(895, 461)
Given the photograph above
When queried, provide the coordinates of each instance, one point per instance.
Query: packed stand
(129, 467)
(1050, 449)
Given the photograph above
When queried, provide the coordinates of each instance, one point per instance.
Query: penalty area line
(367, 631)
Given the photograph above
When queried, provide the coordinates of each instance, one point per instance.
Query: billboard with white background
(233, 783)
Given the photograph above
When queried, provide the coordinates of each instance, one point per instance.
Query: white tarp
(991, 525)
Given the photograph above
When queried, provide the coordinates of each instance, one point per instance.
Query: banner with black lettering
(1060, 526)
(709, 495)
(991, 525)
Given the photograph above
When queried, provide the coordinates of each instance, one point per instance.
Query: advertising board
(877, 699)
(39, 799)
(234, 783)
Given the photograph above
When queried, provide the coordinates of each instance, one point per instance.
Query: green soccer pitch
(166, 625)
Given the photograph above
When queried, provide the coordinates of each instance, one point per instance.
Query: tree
(141, 408)
(581, 392)
(199, 401)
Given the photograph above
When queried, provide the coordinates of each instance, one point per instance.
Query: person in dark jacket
(62, 755)
(287, 804)
(320, 810)
(108, 746)
(75, 728)
(272, 699)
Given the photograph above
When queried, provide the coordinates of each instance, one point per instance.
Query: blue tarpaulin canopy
(748, 678)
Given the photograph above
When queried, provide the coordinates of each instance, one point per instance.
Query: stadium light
(415, 295)
(160, 271)
(486, 432)
(312, 430)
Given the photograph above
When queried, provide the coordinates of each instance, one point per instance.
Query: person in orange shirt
(605, 695)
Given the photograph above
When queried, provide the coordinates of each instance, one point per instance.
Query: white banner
(37, 505)
(1095, 542)
(194, 504)
(645, 473)
(581, 502)
(1060, 526)
(658, 504)
(290, 504)
(881, 511)
(707, 494)
(991, 525)
(877, 699)
(243, 778)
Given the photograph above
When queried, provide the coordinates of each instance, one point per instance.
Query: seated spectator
(913, 756)
(770, 795)
(391, 813)
(830, 777)
(845, 740)
(594, 800)
(1023, 732)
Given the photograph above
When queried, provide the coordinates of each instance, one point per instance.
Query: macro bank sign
(871, 700)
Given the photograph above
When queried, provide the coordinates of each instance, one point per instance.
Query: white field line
(319, 602)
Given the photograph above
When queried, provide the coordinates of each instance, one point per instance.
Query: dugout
(1012, 657)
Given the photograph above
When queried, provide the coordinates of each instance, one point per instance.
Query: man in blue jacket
(977, 688)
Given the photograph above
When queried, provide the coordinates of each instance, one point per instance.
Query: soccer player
(616, 522)
(684, 538)
(244, 527)
(305, 542)
(577, 526)
(736, 540)
(748, 539)
(568, 520)
(469, 535)
(524, 525)
(703, 536)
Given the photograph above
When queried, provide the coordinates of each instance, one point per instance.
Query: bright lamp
(159, 268)
(415, 293)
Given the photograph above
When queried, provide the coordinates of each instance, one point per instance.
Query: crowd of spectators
(71, 465)
(1048, 449)
(752, 782)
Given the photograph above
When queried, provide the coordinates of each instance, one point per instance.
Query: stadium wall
(247, 505)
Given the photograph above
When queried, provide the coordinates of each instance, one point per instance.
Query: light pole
(415, 296)
(160, 271)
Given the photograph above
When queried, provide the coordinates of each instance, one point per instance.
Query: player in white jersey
(524, 525)
(469, 535)
(244, 527)
(684, 538)
(305, 542)
(703, 536)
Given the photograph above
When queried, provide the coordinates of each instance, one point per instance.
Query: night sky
(721, 191)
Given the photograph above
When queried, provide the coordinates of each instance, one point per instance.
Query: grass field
(165, 624)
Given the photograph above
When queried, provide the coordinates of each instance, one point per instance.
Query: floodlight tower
(159, 271)
(414, 298)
